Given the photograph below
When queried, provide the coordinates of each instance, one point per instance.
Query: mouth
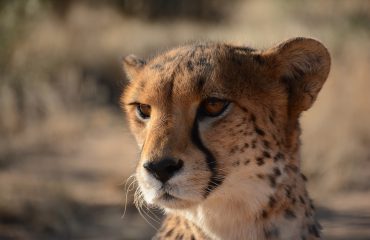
(170, 196)
(170, 201)
(166, 200)
(167, 197)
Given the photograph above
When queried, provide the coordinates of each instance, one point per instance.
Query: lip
(168, 197)
(169, 201)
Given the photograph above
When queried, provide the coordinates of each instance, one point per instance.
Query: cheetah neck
(254, 211)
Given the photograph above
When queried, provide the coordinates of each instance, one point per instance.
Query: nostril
(164, 169)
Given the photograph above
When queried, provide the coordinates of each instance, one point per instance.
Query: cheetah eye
(143, 110)
(213, 107)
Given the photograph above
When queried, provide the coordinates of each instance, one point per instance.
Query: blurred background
(66, 152)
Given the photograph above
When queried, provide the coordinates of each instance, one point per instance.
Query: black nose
(164, 169)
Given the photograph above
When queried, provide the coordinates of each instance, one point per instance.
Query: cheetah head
(213, 120)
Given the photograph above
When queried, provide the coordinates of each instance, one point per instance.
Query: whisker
(149, 215)
(149, 208)
(128, 190)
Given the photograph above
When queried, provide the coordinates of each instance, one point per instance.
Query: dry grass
(64, 151)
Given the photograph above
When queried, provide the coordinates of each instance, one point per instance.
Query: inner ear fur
(302, 66)
(132, 65)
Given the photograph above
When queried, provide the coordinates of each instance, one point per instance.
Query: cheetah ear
(132, 65)
(302, 65)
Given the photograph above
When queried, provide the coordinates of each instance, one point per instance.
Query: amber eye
(213, 107)
(143, 110)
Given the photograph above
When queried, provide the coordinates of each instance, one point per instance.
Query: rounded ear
(302, 65)
(132, 65)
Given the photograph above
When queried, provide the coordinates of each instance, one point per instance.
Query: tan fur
(261, 193)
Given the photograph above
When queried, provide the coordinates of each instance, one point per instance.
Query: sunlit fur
(258, 191)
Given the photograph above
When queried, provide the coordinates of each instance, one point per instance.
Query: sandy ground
(78, 193)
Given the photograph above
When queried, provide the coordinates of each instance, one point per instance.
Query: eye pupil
(144, 110)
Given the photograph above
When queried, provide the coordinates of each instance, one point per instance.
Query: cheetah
(218, 130)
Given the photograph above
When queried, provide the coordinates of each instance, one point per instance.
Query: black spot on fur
(264, 214)
(192, 237)
(288, 191)
(302, 200)
(277, 171)
(260, 161)
(272, 180)
(202, 61)
(237, 163)
(190, 66)
(233, 149)
(266, 154)
(260, 176)
(289, 214)
(259, 131)
(279, 156)
(254, 143)
(246, 161)
(266, 144)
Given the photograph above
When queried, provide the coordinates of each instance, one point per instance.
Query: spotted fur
(240, 177)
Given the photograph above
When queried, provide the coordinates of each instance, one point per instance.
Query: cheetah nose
(164, 169)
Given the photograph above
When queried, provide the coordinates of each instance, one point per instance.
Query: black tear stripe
(215, 179)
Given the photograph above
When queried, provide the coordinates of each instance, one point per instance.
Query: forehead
(192, 73)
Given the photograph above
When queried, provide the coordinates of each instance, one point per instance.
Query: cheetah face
(211, 117)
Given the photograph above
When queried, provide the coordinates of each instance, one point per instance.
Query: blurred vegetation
(64, 147)
(36, 84)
